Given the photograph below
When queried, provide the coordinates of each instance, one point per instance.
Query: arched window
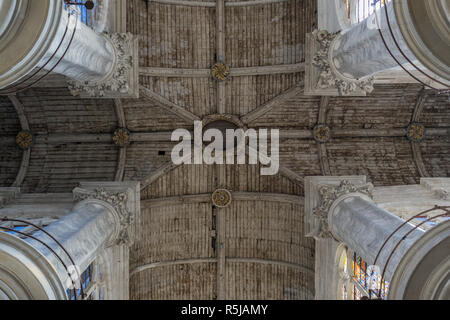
(355, 279)
(366, 282)
(358, 10)
(84, 15)
(92, 282)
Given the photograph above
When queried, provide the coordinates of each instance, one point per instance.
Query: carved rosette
(119, 78)
(25, 139)
(221, 198)
(322, 133)
(220, 71)
(416, 132)
(122, 137)
(329, 77)
(118, 202)
(328, 195)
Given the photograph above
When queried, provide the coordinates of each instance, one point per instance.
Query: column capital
(322, 77)
(321, 193)
(123, 198)
(8, 194)
(122, 80)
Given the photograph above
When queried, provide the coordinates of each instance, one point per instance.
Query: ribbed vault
(265, 254)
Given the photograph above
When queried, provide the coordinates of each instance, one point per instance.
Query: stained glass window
(87, 282)
(369, 281)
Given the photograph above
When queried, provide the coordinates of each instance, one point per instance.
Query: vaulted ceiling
(264, 253)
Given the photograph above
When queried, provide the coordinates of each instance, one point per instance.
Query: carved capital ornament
(118, 202)
(328, 195)
(118, 80)
(329, 77)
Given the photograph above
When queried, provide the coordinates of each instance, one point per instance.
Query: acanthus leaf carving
(328, 195)
(119, 202)
(329, 78)
(118, 79)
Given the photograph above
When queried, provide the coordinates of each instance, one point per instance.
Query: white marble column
(415, 262)
(87, 230)
(345, 62)
(103, 217)
(42, 34)
(366, 228)
(360, 52)
(91, 56)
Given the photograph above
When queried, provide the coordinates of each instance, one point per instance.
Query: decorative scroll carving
(119, 78)
(329, 77)
(328, 195)
(221, 198)
(118, 202)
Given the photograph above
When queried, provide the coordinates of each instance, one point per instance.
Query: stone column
(98, 65)
(344, 63)
(102, 218)
(343, 209)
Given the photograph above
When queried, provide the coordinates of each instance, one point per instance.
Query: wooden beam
(310, 272)
(18, 106)
(174, 201)
(163, 136)
(323, 159)
(271, 197)
(26, 155)
(174, 72)
(275, 102)
(120, 114)
(418, 160)
(418, 109)
(323, 109)
(210, 4)
(24, 165)
(267, 70)
(189, 3)
(121, 165)
(354, 133)
(237, 196)
(57, 139)
(252, 3)
(169, 105)
(170, 263)
(291, 175)
(234, 72)
(220, 53)
(296, 134)
(169, 166)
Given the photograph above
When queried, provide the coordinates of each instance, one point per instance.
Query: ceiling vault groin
(168, 105)
(25, 163)
(122, 123)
